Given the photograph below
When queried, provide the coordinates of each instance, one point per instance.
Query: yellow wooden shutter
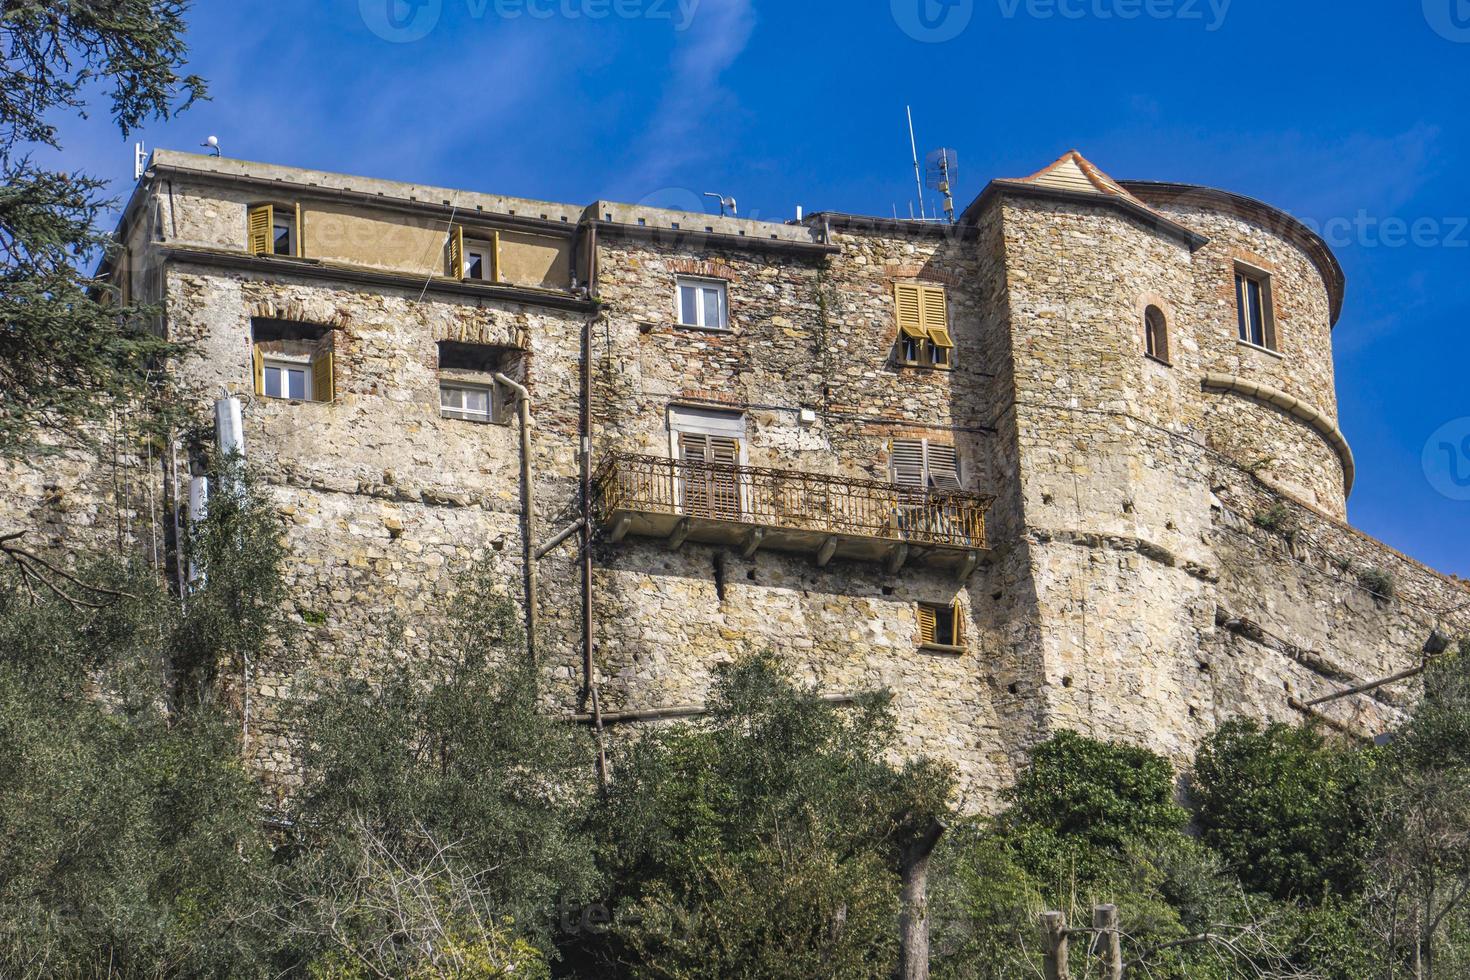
(296, 239)
(906, 460)
(323, 383)
(935, 305)
(944, 467)
(959, 624)
(258, 368)
(927, 624)
(908, 299)
(259, 223)
(495, 257)
(456, 252)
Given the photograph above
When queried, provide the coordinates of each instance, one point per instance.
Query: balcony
(827, 517)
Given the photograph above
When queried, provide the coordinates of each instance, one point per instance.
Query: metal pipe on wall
(589, 666)
(528, 507)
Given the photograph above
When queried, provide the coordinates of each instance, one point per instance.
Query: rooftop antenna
(914, 147)
(725, 202)
(943, 164)
(213, 144)
(140, 158)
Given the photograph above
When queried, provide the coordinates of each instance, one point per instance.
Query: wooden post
(1109, 942)
(1054, 943)
(914, 920)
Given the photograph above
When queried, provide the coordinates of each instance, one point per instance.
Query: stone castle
(1071, 461)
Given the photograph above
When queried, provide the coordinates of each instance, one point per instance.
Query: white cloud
(684, 123)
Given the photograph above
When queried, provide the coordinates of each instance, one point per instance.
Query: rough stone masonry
(1070, 462)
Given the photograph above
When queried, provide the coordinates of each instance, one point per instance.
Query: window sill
(905, 365)
(460, 418)
(1258, 347)
(942, 648)
(1158, 360)
(696, 328)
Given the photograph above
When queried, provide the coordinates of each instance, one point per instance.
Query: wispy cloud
(718, 34)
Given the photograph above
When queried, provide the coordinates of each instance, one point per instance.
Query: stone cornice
(358, 275)
(1295, 407)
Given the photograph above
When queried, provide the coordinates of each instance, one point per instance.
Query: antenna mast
(918, 174)
(943, 164)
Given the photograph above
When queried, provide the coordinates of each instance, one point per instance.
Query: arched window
(1156, 334)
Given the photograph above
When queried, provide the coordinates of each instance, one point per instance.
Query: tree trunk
(913, 924)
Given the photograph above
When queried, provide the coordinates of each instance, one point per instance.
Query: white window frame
(492, 402)
(284, 363)
(486, 252)
(701, 319)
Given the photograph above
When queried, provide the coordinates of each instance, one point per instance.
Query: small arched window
(1156, 334)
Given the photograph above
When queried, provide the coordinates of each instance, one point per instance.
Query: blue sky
(1349, 112)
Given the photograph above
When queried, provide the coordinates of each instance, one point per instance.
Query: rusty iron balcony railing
(790, 511)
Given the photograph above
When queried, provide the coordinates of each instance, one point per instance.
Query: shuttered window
(940, 625)
(477, 260)
(273, 229)
(923, 464)
(923, 324)
(710, 492)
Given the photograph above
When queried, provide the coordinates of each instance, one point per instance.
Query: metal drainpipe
(589, 669)
(528, 506)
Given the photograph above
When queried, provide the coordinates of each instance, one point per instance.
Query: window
(704, 303)
(287, 378)
(472, 403)
(940, 625)
(474, 259)
(467, 388)
(274, 229)
(923, 325)
(292, 360)
(1254, 308)
(709, 445)
(924, 465)
(1156, 334)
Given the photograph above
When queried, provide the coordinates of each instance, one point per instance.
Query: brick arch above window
(292, 310)
(703, 269)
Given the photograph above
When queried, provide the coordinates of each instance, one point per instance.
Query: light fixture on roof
(213, 144)
(725, 202)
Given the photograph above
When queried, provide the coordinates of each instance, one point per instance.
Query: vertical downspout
(528, 507)
(589, 668)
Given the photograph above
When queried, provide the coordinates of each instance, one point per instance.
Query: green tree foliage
(762, 841)
(67, 350)
(130, 841)
(451, 789)
(1421, 820)
(1285, 807)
